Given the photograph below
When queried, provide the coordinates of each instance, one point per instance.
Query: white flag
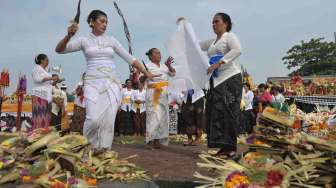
(191, 63)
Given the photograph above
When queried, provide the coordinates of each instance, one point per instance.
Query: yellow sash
(126, 100)
(157, 91)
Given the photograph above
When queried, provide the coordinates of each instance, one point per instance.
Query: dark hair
(262, 86)
(226, 18)
(135, 86)
(247, 85)
(291, 101)
(39, 58)
(275, 89)
(127, 81)
(150, 52)
(93, 16)
(54, 75)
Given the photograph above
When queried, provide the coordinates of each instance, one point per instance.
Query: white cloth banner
(190, 64)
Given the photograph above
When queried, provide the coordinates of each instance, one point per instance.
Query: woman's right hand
(72, 29)
(54, 78)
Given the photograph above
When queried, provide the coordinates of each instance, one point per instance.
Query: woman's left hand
(169, 61)
(213, 67)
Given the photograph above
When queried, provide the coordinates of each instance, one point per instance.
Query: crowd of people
(103, 107)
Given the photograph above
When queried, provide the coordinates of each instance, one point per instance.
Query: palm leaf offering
(37, 134)
(68, 142)
(257, 169)
(51, 160)
(180, 139)
(280, 154)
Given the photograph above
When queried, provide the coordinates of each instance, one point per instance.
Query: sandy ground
(173, 163)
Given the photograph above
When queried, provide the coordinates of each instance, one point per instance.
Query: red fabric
(80, 94)
(2, 79)
(81, 98)
(266, 97)
(41, 114)
(297, 80)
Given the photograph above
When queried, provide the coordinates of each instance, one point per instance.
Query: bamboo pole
(20, 96)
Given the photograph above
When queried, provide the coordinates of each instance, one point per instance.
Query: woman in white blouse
(102, 88)
(157, 109)
(41, 92)
(126, 121)
(224, 96)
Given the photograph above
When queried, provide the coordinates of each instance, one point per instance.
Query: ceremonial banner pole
(2, 90)
(1, 99)
(20, 93)
(76, 19)
(128, 36)
(19, 110)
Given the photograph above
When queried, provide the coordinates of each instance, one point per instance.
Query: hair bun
(39, 58)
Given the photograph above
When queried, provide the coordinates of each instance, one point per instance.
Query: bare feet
(225, 154)
(188, 143)
(149, 145)
(196, 142)
(157, 144)
(98, 151)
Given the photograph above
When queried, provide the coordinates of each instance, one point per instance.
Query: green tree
(313, 57)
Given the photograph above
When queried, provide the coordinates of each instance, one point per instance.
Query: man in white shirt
(64, 95)
(247, 116)
(56, 105)
(65, 120)
(276, 95)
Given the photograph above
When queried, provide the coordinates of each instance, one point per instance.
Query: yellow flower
(26, 179)
(236, 180)
(229, 184)
(1, 164)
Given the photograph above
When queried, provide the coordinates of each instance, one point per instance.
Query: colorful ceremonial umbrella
(4, 83)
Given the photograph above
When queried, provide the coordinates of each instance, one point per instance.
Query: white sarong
(157, 124)
(102, 92)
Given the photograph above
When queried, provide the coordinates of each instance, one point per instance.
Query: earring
(91, 24)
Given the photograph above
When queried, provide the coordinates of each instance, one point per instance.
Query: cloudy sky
(266, 28)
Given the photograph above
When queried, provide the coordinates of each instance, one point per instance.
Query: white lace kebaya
(41, 89)
(229, 46)
(102, 88)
